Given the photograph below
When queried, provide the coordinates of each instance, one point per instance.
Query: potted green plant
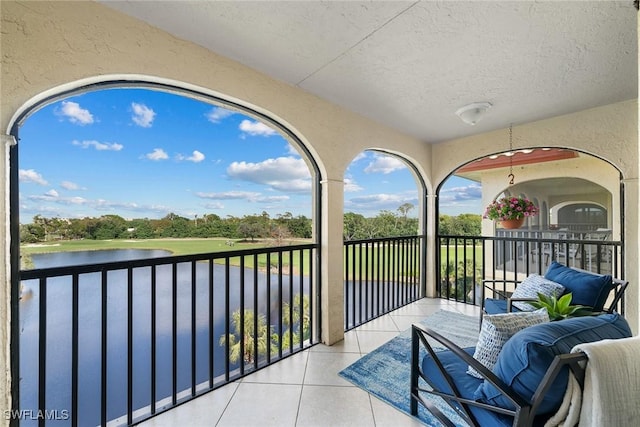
(560, 308)
(510, 211)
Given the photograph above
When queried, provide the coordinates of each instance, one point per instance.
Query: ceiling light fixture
(473, 113)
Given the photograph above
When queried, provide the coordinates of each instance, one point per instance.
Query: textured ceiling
(411, 65)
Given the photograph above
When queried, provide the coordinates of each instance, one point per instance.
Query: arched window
(132, 165)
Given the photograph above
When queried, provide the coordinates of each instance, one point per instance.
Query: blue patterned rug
(386, 371)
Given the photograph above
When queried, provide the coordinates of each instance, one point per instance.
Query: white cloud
(142, 115)
(68, 185)
(157, 154)
(107, 205)
(30, 175)
(230, 195)
(376, 202)
(100, 146)
(75, 114)
(384, 164)
(214, 205)
(350, 186)
(360, 156)
(77, 200)
(472, 192)
(292, 151)
(249, 196)
(196, 157)
(269, 199)
(54, 197)
(282, 173)
(217, 114)
(255, 128)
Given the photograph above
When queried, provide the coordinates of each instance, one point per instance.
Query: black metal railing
(120, 342)
(466, 261)
(381, 275)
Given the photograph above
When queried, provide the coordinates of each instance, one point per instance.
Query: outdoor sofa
(526, 385)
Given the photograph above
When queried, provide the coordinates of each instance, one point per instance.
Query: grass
(197, 246)
(174, 246)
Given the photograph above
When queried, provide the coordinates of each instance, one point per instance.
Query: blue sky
(140, 153)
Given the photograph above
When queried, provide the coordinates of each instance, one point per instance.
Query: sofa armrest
(510, 302)
(490, 284)
(523, 412)
(419, 338)
(619, 287)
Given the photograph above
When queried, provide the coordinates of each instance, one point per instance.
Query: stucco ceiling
(412, 64)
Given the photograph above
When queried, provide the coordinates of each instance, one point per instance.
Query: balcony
(305, 389)
(148, 333)
(313, 105)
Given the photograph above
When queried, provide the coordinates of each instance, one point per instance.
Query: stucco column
(631, 250)
(5, 286)
(431, 232)
(332, 300)
(632, 228)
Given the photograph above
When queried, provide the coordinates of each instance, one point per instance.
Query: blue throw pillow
(525, 358)
(588, 289)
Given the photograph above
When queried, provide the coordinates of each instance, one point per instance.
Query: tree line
(249, 227)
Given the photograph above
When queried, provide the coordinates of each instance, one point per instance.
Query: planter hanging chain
(511, 176)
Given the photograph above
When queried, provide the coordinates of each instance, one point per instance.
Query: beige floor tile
(334, 406)
(288, 371)
(323, 368)
(305, 389)
(203, 411)
(348, 345)
(386, 415)
(370, 340)
(384, 323)
(261, 405)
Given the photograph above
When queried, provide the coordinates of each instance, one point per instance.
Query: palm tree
(246, 347)
(301, 321)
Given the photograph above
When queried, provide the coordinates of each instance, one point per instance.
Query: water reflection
(59, 325)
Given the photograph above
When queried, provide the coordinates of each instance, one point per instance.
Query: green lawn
(174, 246)
(196, 246)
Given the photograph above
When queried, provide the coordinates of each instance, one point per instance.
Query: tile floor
(305, 389)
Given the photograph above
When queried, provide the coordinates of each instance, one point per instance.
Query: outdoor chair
(526, 385)
(597, 292)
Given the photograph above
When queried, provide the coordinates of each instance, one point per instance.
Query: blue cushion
(466, 384)
(526, 357)
(587, 288)
(497, 306)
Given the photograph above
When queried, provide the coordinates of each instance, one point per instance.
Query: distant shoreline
(175, 246)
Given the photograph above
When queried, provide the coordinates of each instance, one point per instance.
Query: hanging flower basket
(511, 224)
(510, 211)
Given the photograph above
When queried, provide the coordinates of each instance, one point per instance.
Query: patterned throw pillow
(531, 286)
(497, 329)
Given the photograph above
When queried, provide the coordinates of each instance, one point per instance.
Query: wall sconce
(473, 113)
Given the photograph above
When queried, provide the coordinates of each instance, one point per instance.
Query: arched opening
(385, 247)
(579, 220)
(162, 314)
(586, 215)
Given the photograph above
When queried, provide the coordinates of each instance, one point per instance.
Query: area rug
(386, 371)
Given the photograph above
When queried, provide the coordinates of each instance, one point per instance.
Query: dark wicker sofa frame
(523, 415)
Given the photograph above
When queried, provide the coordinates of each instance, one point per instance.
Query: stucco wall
(585, 167)
(52, 46)
(609, 132)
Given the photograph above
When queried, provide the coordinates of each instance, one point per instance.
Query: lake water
(59, 321)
